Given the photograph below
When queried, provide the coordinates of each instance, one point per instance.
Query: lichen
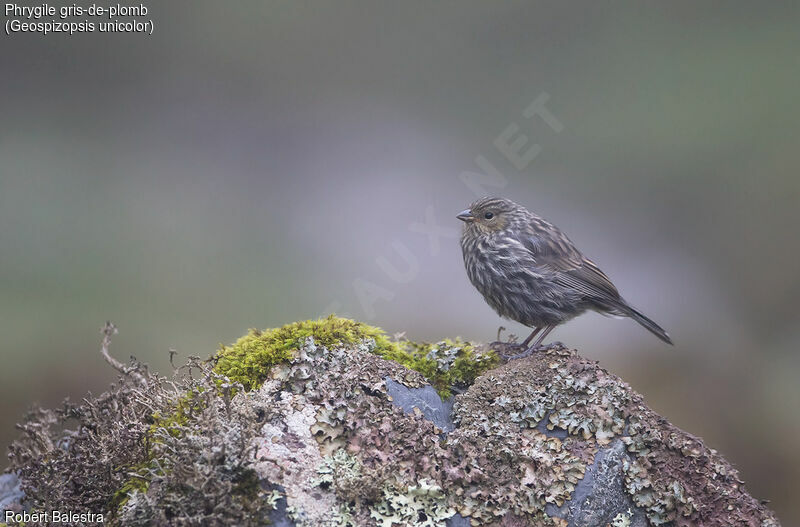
(678, 481)
(201, 469)
(308, 430)
(575, 396)
(113, 454)
(420, 505)
(622, 519)
(174, 418)
(74, 456)
(138, 481)
(337, 469)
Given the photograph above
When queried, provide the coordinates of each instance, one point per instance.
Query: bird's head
(490, 215)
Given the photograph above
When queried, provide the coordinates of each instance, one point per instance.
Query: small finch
(529, 271)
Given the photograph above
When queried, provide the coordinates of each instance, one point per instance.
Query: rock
(338, 435)
(424, 399)
(599, 498)
(11, 494)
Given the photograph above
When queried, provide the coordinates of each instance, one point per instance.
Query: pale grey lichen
(340, 466)
(622, 519)
(420, 505)
(444, 355)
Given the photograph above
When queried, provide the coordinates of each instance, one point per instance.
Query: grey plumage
(529, 271)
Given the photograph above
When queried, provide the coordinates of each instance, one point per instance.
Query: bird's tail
(648, 324)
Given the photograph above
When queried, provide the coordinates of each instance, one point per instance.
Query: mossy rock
(445, 364)
(551, 440)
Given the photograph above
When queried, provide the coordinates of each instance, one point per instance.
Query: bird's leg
(538, 342)
(536, 345)
(546, 332)
(527, 340)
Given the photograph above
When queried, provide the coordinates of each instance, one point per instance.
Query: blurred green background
(256, 163)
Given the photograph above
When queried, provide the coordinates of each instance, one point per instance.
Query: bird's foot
(505, 349)
(528, 352)
(557, 345)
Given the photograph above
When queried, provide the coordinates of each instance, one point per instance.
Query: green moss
(138, 481)
(174, 421)
(186, 407)
(444, 364)
(250, 359)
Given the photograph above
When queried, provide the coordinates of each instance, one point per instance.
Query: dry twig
(108, 330)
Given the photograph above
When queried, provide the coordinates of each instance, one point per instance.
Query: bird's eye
(489, 215)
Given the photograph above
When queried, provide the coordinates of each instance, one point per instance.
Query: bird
(529, 271)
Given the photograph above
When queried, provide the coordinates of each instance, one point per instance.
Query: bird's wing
(591, 282)
(552, 252)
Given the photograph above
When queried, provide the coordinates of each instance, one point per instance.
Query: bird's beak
(466, 216)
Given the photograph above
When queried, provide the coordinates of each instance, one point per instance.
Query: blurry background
(252, 164)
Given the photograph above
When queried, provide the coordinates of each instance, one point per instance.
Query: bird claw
(557, 345)
(524, 354)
